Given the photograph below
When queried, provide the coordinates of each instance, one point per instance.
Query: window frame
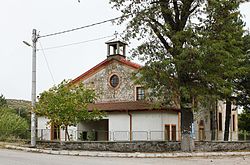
(220, 121)
(139, 93)
(114, 80)
(233, 123)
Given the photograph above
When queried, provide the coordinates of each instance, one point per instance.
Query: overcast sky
(19, 17)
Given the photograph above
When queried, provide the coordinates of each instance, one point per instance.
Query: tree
(66, 105)
(244, 120)
(3, 101)
(223, 45)
(243, 94)
(12, 125)
(179, 64)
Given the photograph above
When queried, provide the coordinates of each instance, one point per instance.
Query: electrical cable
(77, 43)
(47, 63)
(86, 26)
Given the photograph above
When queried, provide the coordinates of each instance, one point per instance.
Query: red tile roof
(104, 63)
(127, 106)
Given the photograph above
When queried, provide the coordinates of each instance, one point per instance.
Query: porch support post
(130, 126)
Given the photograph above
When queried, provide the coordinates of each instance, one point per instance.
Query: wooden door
(167, 132)
(55, 132)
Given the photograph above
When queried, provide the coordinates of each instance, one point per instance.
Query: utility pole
(33, 90)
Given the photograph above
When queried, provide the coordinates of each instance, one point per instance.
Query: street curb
(126, 155)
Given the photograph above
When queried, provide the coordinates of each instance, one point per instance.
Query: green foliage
(243, 94)
(20, 107)
(244, 120)
(11, 125)
(3, 101)
(190, 48)
(66, 105)
(222, 45)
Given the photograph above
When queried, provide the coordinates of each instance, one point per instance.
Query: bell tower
(116, 47)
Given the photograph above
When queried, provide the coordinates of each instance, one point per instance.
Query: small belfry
(116, 47)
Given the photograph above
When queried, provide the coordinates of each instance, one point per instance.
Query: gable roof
(128, 106)
(104, 63)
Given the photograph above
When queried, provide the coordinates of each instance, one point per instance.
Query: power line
(47, 63)
(76, 43)
(86, 26)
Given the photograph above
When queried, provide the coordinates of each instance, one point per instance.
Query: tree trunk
(228, 118)
(67, 134)
(213, 125)
(214, 121)
(187, 142)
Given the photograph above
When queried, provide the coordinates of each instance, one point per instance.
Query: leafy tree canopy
(243, 82)
(244, 120)
(190, 48)
(66, 105)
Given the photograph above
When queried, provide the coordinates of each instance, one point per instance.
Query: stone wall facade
(100, 82)
(203, 119)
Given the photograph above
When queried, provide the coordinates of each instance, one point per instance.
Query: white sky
(19, 17)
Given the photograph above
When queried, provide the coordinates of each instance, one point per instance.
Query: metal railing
(99, 135)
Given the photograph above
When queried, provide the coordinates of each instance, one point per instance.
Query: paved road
(12, 157)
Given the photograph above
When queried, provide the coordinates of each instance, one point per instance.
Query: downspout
(179, 126)
(130, 126)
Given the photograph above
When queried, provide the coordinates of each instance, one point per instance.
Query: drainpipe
(130, 126)
(216, 120)
(179, 126)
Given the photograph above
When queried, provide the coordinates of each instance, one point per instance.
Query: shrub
(11, 125)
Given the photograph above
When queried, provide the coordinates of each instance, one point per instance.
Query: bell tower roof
(116, 47)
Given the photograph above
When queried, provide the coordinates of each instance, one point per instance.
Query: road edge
(125, 155)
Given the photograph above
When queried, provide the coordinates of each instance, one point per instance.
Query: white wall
(151, 125)
(43, 129)
(204, 114)
(119, 126)
(72, 130)
(145, 125)
(233, 135)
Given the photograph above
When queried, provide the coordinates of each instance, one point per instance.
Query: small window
(114, 81)
(233, 122)
(220, 121)
(140, 93)
(170, 132)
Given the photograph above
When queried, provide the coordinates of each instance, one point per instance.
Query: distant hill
(19, 104)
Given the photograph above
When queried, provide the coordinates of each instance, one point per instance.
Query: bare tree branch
(161, 38)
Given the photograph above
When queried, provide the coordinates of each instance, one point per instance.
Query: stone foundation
(144, 146)
(209, 146)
